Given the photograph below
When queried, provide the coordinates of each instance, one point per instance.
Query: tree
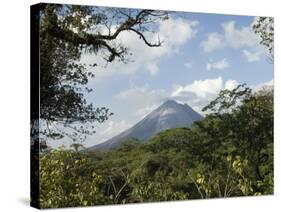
(264, 27)
(66, 32)
(245, 121)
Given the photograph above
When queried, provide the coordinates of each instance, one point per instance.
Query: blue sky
(201, 54)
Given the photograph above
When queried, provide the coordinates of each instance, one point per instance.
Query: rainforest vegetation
(228, 153)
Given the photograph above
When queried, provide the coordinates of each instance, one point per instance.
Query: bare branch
(145, 41)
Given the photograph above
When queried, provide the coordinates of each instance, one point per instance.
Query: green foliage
(228, 153)
(63, 79)
(67, 179)
(153, 191)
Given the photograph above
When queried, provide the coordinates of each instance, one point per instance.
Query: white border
(14, 111)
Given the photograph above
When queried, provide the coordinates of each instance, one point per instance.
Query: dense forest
(228, 153)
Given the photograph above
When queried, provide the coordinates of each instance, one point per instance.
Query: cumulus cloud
(230, 84)
(221, 64)
(254, 54)
(239, 37)
(200, 88)
(176, 32)
(231, 37)
(235, 37)
(214, 41)
(200, 92)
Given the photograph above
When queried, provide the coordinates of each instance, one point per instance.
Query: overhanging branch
(98, 41)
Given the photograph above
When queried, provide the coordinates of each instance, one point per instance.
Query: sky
(200, 55)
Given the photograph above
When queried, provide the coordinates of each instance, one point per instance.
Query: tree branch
(145, 40)
(100, 40)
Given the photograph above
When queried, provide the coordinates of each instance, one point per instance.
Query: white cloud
(200, 92)
(187, 65)
(239, 37)
(152, 68)
(262, 85)
(214, 41)
(174, 32)
(254, 54)
(231, 37)
(201, 88)
(235, 37)
(231, 84)
(221, 64)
